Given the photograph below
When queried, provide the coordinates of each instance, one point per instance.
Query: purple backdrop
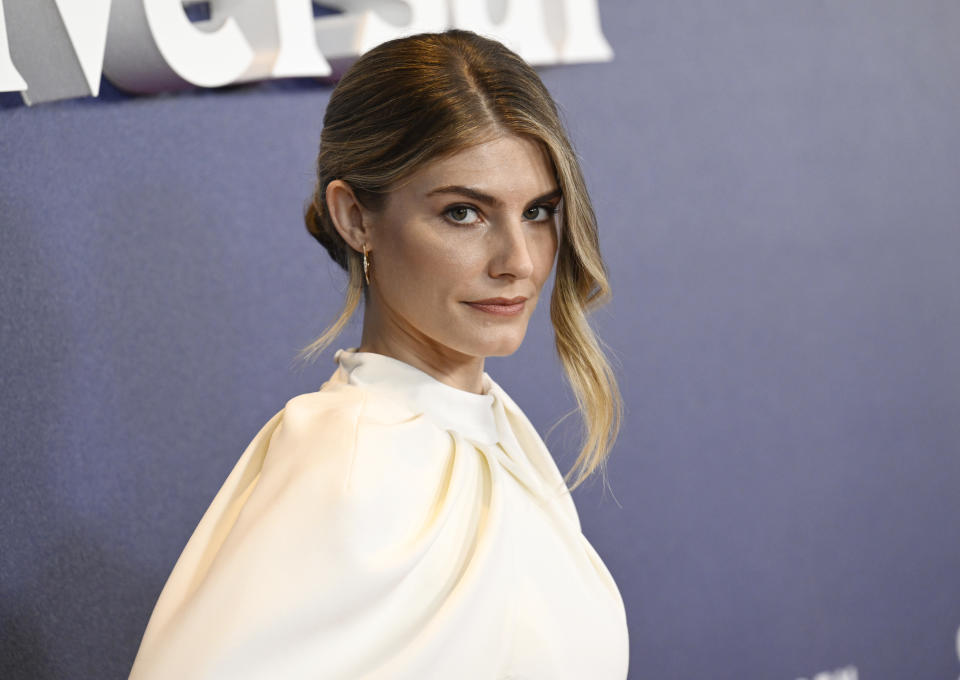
(777, 184)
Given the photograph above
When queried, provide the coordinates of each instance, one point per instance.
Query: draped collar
(490, 419)
(470, 414)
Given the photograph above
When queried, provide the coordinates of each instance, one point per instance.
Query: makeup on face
(499, 306)
(461, 251)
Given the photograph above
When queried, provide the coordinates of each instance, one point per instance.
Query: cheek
(420, 262)
(545, 253)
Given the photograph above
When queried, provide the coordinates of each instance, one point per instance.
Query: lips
(500, 306)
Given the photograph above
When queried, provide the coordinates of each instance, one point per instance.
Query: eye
(462, 214)
(539, 213)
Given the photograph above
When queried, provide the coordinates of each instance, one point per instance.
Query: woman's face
(460, 253)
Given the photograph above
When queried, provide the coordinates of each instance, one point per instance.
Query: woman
(406, 521)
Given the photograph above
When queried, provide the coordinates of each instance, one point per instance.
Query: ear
(351, 219)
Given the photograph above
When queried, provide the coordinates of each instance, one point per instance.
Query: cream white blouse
(389, 526)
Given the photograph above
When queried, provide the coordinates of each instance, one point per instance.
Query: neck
(382, 336)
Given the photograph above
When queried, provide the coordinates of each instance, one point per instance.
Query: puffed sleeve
(347, 542)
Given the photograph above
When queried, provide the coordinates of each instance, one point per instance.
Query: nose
(512, 257)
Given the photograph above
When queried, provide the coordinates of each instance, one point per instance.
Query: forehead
(507, 167)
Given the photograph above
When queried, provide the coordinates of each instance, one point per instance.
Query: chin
(499, 347)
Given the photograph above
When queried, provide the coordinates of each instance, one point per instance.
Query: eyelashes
(467, 214)
(548, 212)
(458, 214)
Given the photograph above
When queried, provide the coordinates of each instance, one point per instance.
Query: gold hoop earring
(366, 265)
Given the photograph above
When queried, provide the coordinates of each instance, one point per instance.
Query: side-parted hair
(424, 97)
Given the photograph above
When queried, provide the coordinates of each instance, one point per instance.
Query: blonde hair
(412, 100)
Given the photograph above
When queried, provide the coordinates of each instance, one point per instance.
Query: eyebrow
(481, 197)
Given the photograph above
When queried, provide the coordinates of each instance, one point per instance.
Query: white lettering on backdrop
(848, 673)
(577, 28)
(60, 56)
(365, 24)
(10, 78)
(521, 26)
(57, 49)
(152, 46)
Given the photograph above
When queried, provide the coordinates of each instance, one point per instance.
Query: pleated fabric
(389, 526)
